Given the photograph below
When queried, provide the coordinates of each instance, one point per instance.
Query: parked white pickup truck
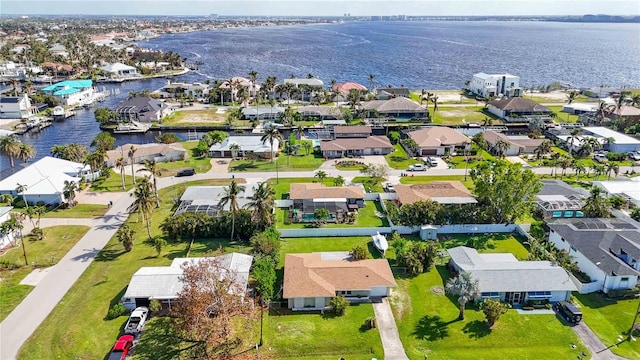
(136, 321)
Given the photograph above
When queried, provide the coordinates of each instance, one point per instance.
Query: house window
(556, 214)
(626, 278)
(573, 248)
(490, 295)
(579, 214)
(539, 294)
(348, 292)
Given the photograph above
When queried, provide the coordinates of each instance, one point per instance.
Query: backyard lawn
(366, 218)
(562, 117)
(370, 185)
(113, 183)
(81, 332)
(296, 163)
(398, 158)
(58, 240)
(610, 320)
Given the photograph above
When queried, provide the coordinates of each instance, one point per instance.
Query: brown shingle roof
(144, 150)
(345, 88)
(438, 136)
(307, 275)
(408, 194)
(316, 191)
(518, 103)
(372, 142)
(355, 129)
(398, 104)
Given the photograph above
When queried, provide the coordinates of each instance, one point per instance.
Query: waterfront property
(519, 110)
(153, 151)
(628, 190)
(236, 83)
(44, 180)
(262, 112)
(625, 111)
(399, 108)
(163, 283)
(206, 199)
(442, 192)
(120, 70)
(171, 90)
(607, 250)
(439, 141)
(246, 145)
(372, 145)
(142, 109)
(612, 140)
(501, 276)
(558, 199)
(387, 93)
(16, 107)
(517, 144)
(320, 112)
(312, 280)
(344, 89)
(492, 85)
(72, 92)
(340, 201)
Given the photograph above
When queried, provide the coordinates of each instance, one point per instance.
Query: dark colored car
(568, 311)
(186, 172)
(121, 348)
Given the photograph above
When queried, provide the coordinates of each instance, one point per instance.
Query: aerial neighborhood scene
(347, 180)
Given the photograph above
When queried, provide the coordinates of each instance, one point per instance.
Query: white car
(417, 167)
(634, 155)
(136, 321)
(389, 188)
(600, 158)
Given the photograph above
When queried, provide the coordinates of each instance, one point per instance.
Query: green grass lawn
(492, 243)
(458, 162)
(205, 117)
(72, 331)
(114, 182)
(316, 336)
(307, 245)
(398, 158)
(78, 211)
(428, 325)
(366, 218)
(369, 184)
(451, 115)
(57, 242)
(563, 117)
(610, 320)
(296, 163)
(200, 164)
(427, 179)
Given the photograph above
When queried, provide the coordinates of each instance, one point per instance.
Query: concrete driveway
(598, 350)
(393, 349)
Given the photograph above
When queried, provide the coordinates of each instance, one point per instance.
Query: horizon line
(319, 16)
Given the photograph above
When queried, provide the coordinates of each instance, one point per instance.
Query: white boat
(380, 242)
(131, 128)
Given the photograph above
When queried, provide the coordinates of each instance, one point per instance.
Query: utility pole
(633, 325)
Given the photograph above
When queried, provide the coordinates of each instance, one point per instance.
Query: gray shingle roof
(142, 103)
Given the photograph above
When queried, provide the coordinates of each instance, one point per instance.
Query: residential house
(358, 146)
(163, 283)
(16, 107)
(172, 90)
(558, 199)
(339, 201)
(519, 109)
(354, 131)
(206, 199)
(612, 140)
(236, 83)
(11, 70)
(72, 92)
(44, 179)
(59, 50)
(600, 92)
(387, 93)
(502, 277)
(8, 237)
(442, 192)
(120, 70)
(607, 250)
(439, 141)
(518, 145)
(152, 151)
(312, 280)
(262, 112)
(319, 112)
(399, 108)
(99, 40)
(247, 144)
(20, 48)
(578, 108)
(307, 86)
(142, 109)
(492, 85)
(57, 69)
(344, 89)
(627, 112)
(629, 189)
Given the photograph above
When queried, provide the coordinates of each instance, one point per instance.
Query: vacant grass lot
(58, 240)
(295, 163)
(610, 320)
(113, 183)
(78, 211)
(456, 115)
(76, 328)
(195, 118)
(200, 164)
(427, 179)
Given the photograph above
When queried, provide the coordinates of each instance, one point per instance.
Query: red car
(121, 348)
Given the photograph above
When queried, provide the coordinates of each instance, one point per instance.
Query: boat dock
(33, 124)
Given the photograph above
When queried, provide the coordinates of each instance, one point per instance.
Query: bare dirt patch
(400, 300)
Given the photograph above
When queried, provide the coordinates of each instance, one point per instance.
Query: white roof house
(120, 69)
(627, 189)
(621, 142)
(163, 282)
(513, 281)
(45, 179)
(248, 144)
(304, 81)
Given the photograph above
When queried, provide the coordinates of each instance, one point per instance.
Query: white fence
(284, 203)
(403, 230)
(585, 288)
(332, 232)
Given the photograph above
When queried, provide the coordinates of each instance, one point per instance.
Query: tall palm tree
(579, 168)
(235, 150)
(466, 287)
(69, 192)
(10, 147)
(121, 164)
(26, 152)
(130, 154)
(372, 82)
(611, 166)
(20, 190)
(271, 135)
(573, 137)
(231, 197)
(298, 131)
(321, 175)
(262, 203)
(501, 147)
(543, 148)
(152, 167)
(143, 201)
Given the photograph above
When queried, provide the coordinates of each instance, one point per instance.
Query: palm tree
(423, 92)
(321, 175)
(611, 166)
(21, 189)
(579, 168)
(501, 147)
(143, 201)
(126, 236)
(130, 154)
(271, 135)
(69, 192)
(597, 204)
(235, 150)
(565, 163)
(298, 131)
(262, 202)
(231, 197)
(466, 287)
(58, 151)
(543, 148)
(572, 138)
(26, 152)
(372, 82)
(10, 147)
(307, 145)
(152, 168)
(338, 181)
(121, 164)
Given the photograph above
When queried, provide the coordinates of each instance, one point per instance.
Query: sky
(320, 8)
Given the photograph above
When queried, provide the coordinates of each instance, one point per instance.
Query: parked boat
(131, 128)
(380, 242)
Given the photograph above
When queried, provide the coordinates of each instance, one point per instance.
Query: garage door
(430, 152)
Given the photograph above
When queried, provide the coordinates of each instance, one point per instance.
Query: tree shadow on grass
(108, 254)
(432, 328)
(476, 329)
(243, 167)
(158, 342)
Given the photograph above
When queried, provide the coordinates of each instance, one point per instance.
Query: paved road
(26, 317)
(598, 350)
(393, 349)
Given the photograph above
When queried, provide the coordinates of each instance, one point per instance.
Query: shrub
(359, 252)
(339, 305)
(155, 305)
(116, 311)
(623, 293)
(370, 323)
(492, 309)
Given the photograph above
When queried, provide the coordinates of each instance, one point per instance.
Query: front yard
(399, 160)
(200, 164)
(113, 183)
(428, 179)
(295, 163)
